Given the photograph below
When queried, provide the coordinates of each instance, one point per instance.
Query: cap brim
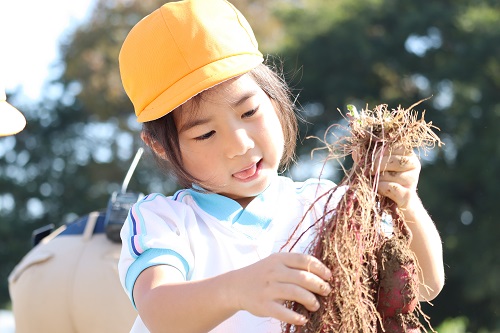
(197, 81)
(12, 120)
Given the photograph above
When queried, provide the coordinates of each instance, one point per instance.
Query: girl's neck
(244, 201)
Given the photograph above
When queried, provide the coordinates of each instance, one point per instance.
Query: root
(350, 240)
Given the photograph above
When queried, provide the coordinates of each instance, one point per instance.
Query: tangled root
(375, 276)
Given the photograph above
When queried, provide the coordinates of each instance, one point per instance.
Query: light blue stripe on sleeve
(153, 257)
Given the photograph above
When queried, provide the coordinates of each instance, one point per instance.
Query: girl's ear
(155, 146)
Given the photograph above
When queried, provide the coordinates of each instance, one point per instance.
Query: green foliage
(79, 141)
(397, 53)
(90, 56)
(453, 325)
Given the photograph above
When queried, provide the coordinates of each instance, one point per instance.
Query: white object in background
(12, 121)
(7, 324)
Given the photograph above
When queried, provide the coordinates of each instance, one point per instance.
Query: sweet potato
(398, 286)
(375, 276)
(402, 323)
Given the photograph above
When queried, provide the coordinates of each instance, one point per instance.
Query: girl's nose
(238, 143)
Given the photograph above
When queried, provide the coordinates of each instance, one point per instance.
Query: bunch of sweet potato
(375, 285)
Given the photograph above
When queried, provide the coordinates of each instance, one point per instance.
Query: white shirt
(204, 235)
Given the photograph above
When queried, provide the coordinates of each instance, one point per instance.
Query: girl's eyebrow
(243, 98)
(192, 123)
(200, 121)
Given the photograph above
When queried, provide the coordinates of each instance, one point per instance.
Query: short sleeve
(154, 233)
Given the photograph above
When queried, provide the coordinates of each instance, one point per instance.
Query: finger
(309, 264)
(399, 151)
(295, 293)
(407, 179)
(284, 314)
(397, 163)
(396, 192)
(308, 281)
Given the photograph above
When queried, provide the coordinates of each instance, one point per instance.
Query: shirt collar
(258, 213)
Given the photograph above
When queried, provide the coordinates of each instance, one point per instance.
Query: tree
(398, 53)
(81, 138)
(79, 141)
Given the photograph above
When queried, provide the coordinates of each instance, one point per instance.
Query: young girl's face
(233, 140)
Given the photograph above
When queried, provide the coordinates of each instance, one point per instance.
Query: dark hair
(164, 132)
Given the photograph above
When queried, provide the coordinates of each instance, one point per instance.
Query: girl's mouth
(249, 173)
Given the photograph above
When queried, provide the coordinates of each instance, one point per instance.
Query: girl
(211, 257)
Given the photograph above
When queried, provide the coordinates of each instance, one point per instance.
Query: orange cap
(182, 49)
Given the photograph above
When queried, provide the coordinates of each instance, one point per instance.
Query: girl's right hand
(263, 287)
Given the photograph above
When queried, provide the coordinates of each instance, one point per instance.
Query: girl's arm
(261, 288)
(398, 181)
(426, 244)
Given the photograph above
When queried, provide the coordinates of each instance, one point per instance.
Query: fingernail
(325, 289)
(328, 290)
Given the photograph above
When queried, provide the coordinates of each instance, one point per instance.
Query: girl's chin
(253, 189)
(244, 190)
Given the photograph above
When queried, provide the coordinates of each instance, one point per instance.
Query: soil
(375, 277)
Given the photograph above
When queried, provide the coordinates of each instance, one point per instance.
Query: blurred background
(81, 134)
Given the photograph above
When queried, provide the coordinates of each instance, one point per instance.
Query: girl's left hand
(399, 172)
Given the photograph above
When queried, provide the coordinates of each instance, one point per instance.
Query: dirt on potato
(375, 274)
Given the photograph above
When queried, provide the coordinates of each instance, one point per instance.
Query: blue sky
(30, 34)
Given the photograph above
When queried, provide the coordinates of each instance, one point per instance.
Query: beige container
(69, 283)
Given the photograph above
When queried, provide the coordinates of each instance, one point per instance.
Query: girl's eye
(205, 136)
(250, 113)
